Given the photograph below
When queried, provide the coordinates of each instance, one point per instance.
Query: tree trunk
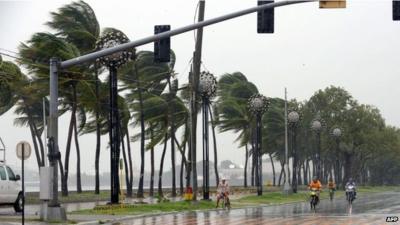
(280, 175)
(305, 181)
(98, 136)
(183, 166)
(182, 150)
(41, 148)
(245, 167)
(253, 166)
(347, 168)
(309, 171)
(62, 172)
(273, 169)
(160, 191)
(35, 146)
(64, 186)
(173, 194)
(129, 191)
(215, 150)
(189, 158)
(126, 167)
(299, 180)
(151, 192)
(142, 137)
(78, 160)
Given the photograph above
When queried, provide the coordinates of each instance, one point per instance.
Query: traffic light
(396, 10)
(162, 47)
(265, 19)
(331, 4)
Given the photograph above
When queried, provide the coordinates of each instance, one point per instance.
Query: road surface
(367, 209)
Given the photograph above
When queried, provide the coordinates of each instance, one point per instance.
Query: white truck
(10, 187)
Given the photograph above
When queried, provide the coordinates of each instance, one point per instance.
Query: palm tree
(273, 137)
(233, 92)
(77, 24)
(17, 90)
(41, 47)
(144, 79)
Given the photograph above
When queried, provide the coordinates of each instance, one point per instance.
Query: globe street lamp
(207, 89)
(317, 126)
(108, 40)
(257, 105)
(293, 119)
(337, 133)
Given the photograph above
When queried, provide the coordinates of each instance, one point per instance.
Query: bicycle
(226, 204)
(331, 193)
(314, 199)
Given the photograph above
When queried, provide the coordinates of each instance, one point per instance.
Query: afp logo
(392, 219)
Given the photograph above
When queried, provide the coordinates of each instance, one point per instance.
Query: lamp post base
(287, 189)
(52, 213)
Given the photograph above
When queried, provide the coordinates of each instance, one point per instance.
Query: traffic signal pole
(109, 51)
(194, 97)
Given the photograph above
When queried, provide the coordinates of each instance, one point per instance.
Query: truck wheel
(18, 203)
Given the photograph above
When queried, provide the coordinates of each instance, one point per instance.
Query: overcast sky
(356, 48)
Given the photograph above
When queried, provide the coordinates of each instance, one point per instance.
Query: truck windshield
(11, 175)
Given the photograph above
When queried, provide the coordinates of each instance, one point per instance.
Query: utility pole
(53, 211)
(286, 186)
(194, 96)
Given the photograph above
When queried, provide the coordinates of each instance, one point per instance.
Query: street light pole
(337, 133)
(207, 90)
(286, 186)
(293, 118)
(114, 135)
(316, 126)
(114, 61)
(258, 104)
(193, 106)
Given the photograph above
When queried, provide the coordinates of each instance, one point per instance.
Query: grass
(372, 189)
(148, 208)
(86, 196)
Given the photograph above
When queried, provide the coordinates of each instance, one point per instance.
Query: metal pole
(23, 183)
(53, 129)
(150, 39)
(255, 159)
(286, 186)
(294, 151)
(114, 141)
(207, 177)
(319, 155)
(195, 85)
(259, 155)
(204, 147)
(337, 162)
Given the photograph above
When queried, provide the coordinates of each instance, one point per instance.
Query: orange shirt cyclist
(316, 185)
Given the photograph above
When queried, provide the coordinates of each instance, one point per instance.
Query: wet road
(367, 209)
(35, 209)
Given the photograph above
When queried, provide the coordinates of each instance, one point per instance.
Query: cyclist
(331, 187)
(351, 183)
(222, 190)
(316, 185)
